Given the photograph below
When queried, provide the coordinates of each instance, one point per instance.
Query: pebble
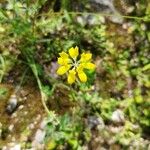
(12, 146)
(104, 2)
(37, 146)
(4, 148)
(43, 124)
(94, 121)
(53, 69)
(116, 129)
(20, 107)
(108, 7)
(11, 127)
(118, 116)
(12, 104)
(38, 117)
(25, 98)
(116, 19)
(91, 20)
(25, 113)
(31, 126)
(35, 122)
(39, 136)
(14, 115)
(24, 93)
(81, 20)
(126, 25)
(13, 139)
(16, 147)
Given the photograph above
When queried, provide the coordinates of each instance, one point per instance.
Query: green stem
(91, 13)
(43, 95)
(21, 82)
(3, 68)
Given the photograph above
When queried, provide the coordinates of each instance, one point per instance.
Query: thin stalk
(21, 82)
(43, 95)
(91, 13)
(3, 68)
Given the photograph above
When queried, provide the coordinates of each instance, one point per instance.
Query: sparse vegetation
(40, 110)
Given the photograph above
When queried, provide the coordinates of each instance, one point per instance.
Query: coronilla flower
(69, 63)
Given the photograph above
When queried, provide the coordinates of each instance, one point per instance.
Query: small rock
(43, 124)
(94, 121)
(115, 129)
(54, 67)
(37, 146)
(116, 19)
(4, 148)
(12, 104)
(16, 147)
(20, 107)
(91, 20)
(25, 112)
(14, 115)
(31, 126)
(39, 136)
(25, 98)
(35, 122)
(13, 139)
(11, 127)
(38, 117)
(118, 116)
(105, 2)
(16, 120)
(81, 20)
(24, 93)
(127, 25)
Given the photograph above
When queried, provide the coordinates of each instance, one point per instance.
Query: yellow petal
(63, 61)
(82, 76)
(64, 55)
(63, 69)
(60, 61)
(89, 65)
(71, 76)
(74, 52)
(85, 57)
(80, 68)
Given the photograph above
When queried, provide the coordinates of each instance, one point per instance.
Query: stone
(43, 124)
(11, 127)
(31, 126)
(20, 107)
(16, 147)
(94, 121)
(115, 130)
(12, 104)
(81, 20)
(118, 116)
(107, 7)
(39, 136)
(53, 69)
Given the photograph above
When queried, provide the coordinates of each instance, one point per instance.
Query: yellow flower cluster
(74, 66)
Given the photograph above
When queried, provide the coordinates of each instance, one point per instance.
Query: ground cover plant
(74, 74)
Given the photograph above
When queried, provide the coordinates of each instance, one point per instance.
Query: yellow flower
(71, 64)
